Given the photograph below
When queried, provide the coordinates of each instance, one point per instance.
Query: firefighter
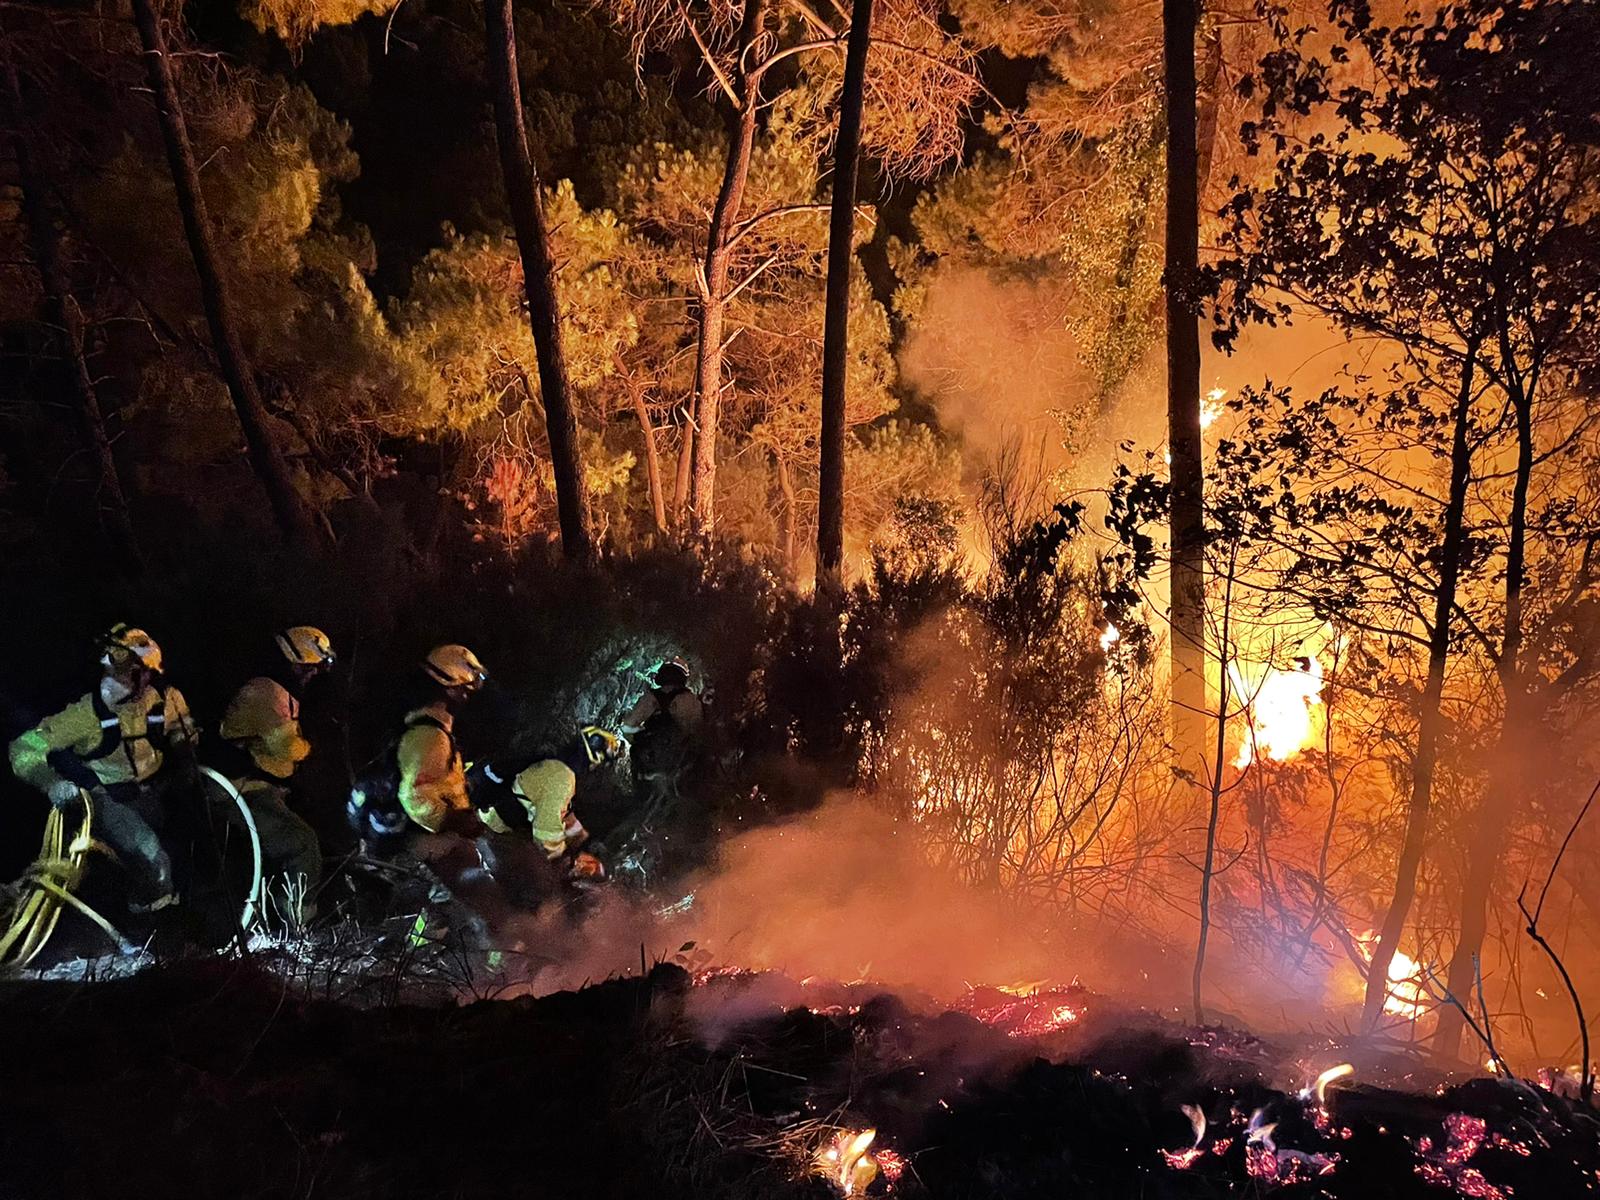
(122, 743)
(263, 732)
(419, 783)
(665, 728)
(536, 797)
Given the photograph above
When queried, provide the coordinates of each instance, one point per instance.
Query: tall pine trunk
(714, 278)
(266, 456)
(111, 500)
(539, 279)
(1430, 718)
(1188, 696)
(836, 319)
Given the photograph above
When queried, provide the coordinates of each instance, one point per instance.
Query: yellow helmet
(454, 666)
(305, 646)
(123, 642)
(600, 745)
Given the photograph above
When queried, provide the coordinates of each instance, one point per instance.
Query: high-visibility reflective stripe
(489, 772)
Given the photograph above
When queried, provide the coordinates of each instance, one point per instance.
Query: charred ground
(232, 1078)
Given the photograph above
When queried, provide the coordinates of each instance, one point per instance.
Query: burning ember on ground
(1283, 710)
(1021, 1013)
(1447, 1167)
(850, 1164)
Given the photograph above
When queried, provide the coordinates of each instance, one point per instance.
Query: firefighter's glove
(63, 795)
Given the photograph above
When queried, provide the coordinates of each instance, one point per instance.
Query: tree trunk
(680, 484)
(1188, 696)
(289, 507)
(788, 518)
(539, 279)
(652, 461)
(111, 500)
(836, 319)
(1429, 717)
(714, 284)
(1507, 778)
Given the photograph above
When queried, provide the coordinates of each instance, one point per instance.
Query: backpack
(490, 786)
(375, 812)
(662, 745)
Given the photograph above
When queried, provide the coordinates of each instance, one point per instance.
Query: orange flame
(1283, 711)
(846, 1161)
(1407, 994)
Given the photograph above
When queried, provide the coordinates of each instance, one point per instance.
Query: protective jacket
(433, 780)
(263, 721)
(537, 798)
(107, 738)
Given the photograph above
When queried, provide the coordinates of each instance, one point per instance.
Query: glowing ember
(1448, 1167)
(705, 976)
(1033, 1014)
(1182, 1160)
(848, 1163)
(890, 1163)
(1283, 711)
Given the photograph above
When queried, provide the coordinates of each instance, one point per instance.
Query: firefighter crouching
(666, 729)
(534, 797)
(262, 730)
(418, 784)
(122, 743)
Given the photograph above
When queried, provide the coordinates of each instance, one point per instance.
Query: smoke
(845, 892)
(994, 357)
(841, 893)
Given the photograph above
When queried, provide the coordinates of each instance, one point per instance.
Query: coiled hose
(48, 886)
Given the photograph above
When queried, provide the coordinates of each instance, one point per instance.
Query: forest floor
(234, 1076)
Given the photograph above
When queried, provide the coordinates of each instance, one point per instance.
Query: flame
(1342, 1071)
(1109, 638)
(1211, 408)
(1283, 711)
(847, 1164)
(1407, 995)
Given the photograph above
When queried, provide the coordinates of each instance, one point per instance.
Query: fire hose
(252, 900)
(48, 886)
(50, 883)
